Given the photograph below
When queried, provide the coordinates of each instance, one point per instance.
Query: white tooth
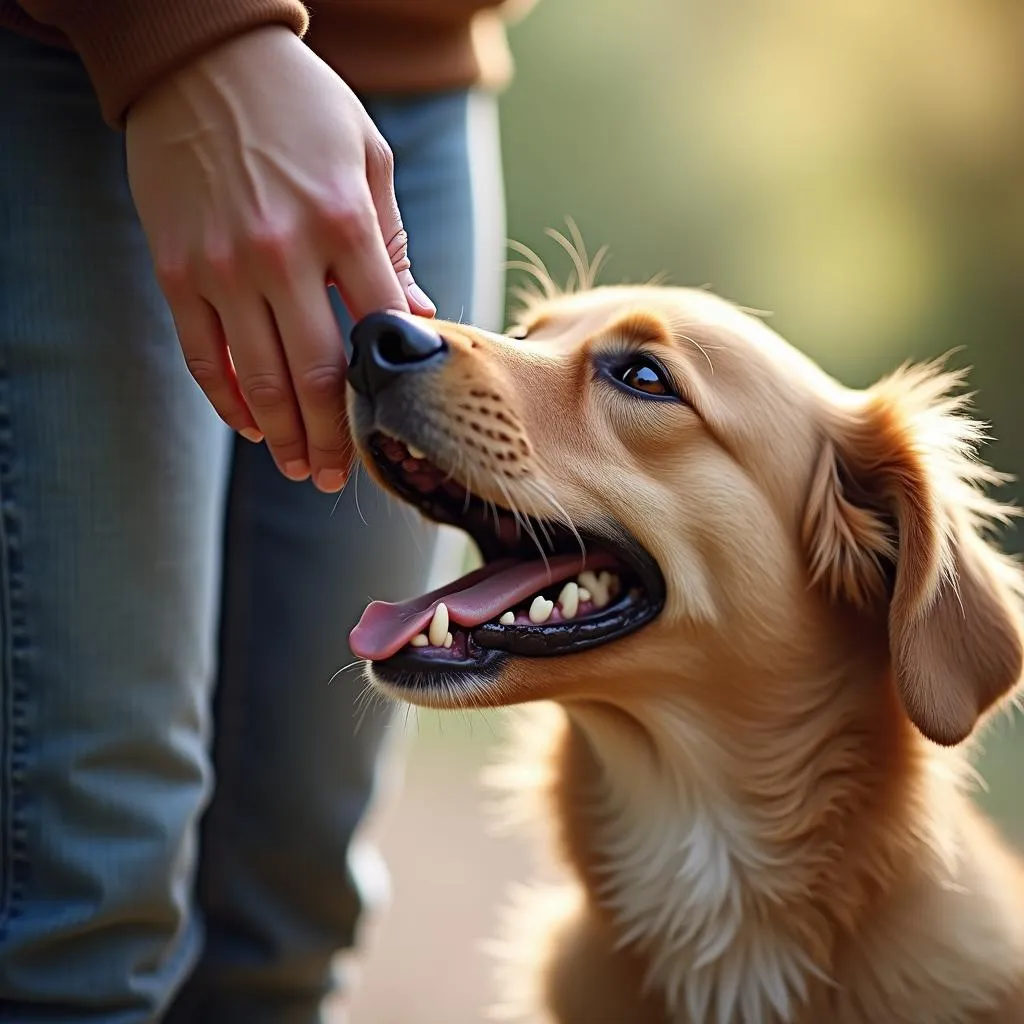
(448, 640)
(415, 452)
(419, 640)
(438, 625)
(596, 585)
(584, 594)
(541, 609)
(508, 619)
(569, 600)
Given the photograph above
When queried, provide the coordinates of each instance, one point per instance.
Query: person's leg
(282, 888)
(112, 480)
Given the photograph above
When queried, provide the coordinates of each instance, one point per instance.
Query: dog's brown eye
(646, 378)
(639, 376)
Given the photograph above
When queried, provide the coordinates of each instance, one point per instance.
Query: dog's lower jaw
(441, 691)
(736, 877)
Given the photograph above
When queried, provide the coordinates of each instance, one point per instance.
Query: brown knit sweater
(390, 46)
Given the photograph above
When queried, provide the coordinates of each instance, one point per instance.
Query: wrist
(218, 64)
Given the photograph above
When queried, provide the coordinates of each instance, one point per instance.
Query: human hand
(259, 178)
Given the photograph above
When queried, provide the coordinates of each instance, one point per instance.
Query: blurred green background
(856, 168)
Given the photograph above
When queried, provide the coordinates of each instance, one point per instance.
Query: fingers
(262, 339)
(316, 361)
(264, 380)
(257, 328)
(359, 264)
(206, 356)
(398, 251)
(380, 177)
(277, 374)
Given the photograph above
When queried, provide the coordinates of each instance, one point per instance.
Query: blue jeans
(172, 609)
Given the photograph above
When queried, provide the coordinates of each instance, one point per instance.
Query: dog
(763, 616)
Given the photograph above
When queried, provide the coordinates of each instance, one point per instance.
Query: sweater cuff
(129, 45)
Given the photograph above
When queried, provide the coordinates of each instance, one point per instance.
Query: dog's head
(668, 496)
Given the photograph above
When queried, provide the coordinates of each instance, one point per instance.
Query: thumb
(380, 178)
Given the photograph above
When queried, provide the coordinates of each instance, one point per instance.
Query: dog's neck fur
(734, 865)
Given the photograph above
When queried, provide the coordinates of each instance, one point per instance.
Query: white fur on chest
(684, 877)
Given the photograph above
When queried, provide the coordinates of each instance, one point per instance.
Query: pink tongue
(385, 628)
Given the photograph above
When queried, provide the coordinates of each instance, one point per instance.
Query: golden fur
(760, 796)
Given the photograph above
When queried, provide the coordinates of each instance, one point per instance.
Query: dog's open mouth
(544, 590)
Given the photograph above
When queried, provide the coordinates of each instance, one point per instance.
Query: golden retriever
(766, 614)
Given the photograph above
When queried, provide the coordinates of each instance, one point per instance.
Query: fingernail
(297, 469)
(251, 434)
(419, 296)
(330, 480)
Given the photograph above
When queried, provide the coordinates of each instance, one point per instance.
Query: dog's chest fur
(686, 882)
(712, 903)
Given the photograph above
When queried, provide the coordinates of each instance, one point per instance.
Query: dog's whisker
(539, 275)
(355, 495)
(520, 517)
(525, 522)
(366, 700)
(585, 269)
(522, 521)
(545, 532)
(532, 534)
(370, 701)
(495, 513)
(528, 297)
(510, 504)
(345, 668)
(548, 495)
(468, 478)
(534, 266)
(700, 348)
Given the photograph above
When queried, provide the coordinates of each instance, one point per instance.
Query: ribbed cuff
(129, 45)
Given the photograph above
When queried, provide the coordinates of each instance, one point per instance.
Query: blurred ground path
(424, 963)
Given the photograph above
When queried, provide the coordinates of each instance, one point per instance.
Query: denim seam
(14, 732)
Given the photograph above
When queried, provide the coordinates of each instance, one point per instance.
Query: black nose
(386, 345)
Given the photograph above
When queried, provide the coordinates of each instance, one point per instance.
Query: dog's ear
(893, 521)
